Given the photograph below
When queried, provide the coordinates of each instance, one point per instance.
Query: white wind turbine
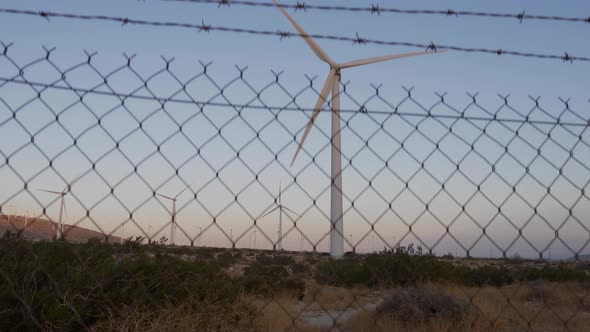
(332, 86)
(280, 207)
(173, 220)
(62, 205)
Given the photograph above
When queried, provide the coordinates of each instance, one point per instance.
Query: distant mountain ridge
(42, 229)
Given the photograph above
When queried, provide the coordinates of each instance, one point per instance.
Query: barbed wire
(363, 109)
(377, 9)
(203, 27)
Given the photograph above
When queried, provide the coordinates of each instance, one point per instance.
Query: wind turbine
(62, 205)
(279, 207)
(332, 86)
(173, 220)
(11, 209)
(26, 218)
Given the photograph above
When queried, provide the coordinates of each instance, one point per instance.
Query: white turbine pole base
(280, 239)
(173, 223)
(336, 217)
(60, 226)
(280, 242)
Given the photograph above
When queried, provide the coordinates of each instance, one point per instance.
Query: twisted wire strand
(377, 9)
(283, 34)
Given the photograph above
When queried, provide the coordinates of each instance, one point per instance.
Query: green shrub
(225, 259)
(484, 275)
(409, 266)
(205, 253)
(269, 275)
(311, 260)
(405, 268)
(561, 272)
(343, 272)
(62, 286)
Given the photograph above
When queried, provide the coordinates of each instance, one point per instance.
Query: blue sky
(452, 72)
(448, 72)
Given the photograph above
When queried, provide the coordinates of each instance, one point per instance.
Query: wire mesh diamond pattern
(472, 177)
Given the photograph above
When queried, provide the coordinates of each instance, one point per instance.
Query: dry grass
(279, 314)
(192, 315)
(337, 298)
(367, 322)
(547, 306)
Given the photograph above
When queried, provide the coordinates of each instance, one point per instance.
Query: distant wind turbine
(279, 207)
(62, 206)
(26, 218)
(332, 86)
(173, 220)
(11, 209)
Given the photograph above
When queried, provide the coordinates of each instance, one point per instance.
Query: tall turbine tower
(332, 86)
(62, 205)
(173, 220)
(279, 207)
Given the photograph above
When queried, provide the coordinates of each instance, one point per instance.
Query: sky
(454, 73)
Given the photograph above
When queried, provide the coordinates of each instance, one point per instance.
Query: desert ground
(132, 286)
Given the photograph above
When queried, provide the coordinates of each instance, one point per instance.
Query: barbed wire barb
(300, 6)
(375, 9)
(359, 40)
(204, 27)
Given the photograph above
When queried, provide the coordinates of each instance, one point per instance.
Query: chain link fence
(171, 162)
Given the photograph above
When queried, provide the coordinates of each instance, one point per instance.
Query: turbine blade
(312, 44)
(316, 111)
(170, 198)
(69, 185)
(367, 61)
(269, 212)
(75, 179)
(286, 208)
(183, 190)
(50, 191)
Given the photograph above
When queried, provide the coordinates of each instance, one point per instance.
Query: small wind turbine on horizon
(173, 220)
(11, 209)
(280, 207)
(332, 87)
(62, 205)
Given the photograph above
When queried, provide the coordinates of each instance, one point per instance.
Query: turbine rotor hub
(337, 69)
